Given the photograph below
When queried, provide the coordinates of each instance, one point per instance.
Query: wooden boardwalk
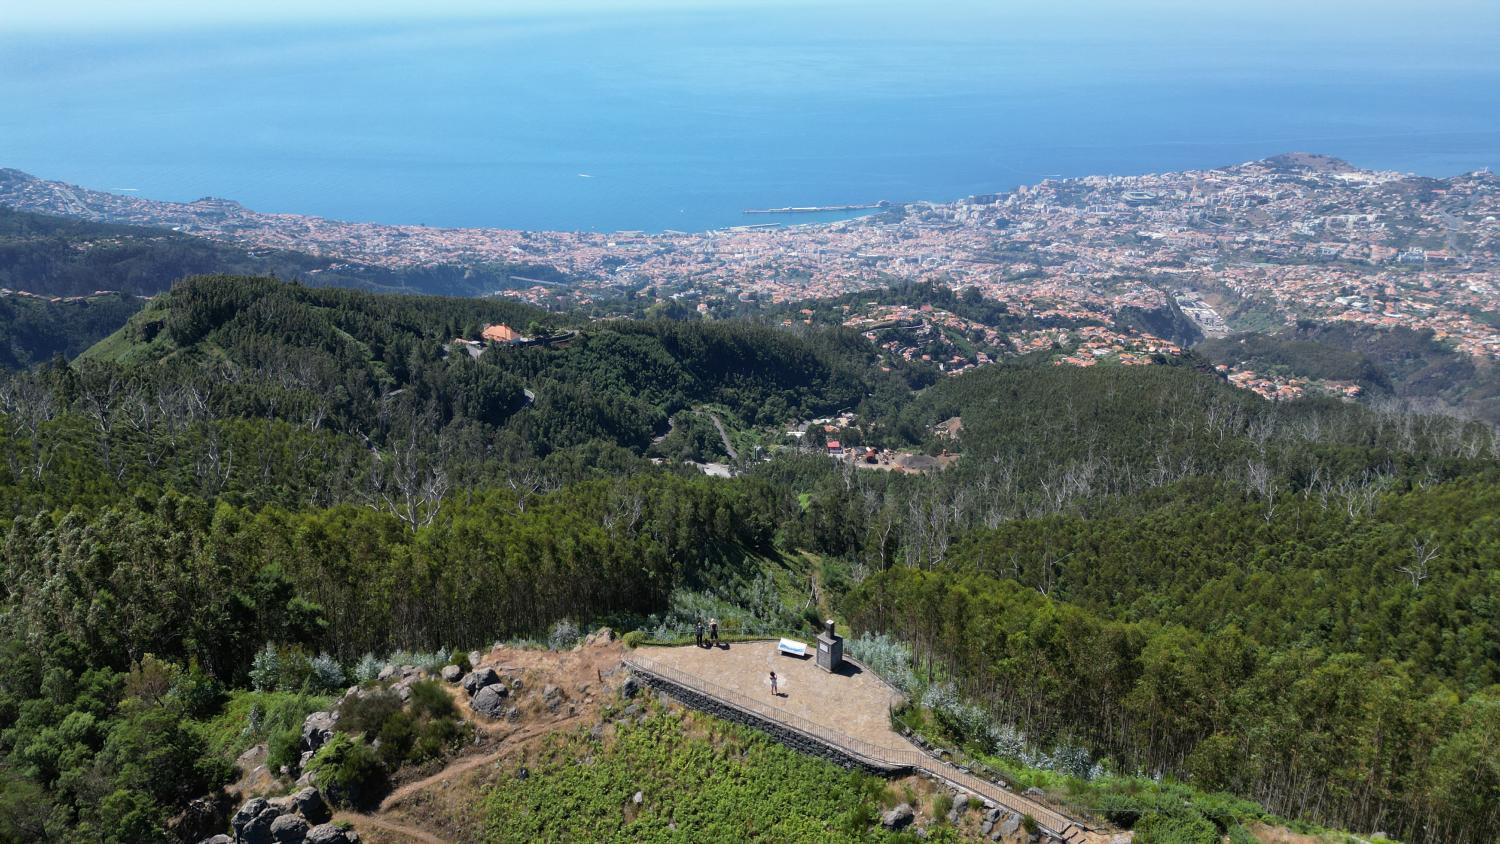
(848, 711)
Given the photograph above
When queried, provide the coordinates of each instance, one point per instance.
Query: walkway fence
(874, 755)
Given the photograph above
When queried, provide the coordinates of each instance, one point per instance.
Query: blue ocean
(682, 119)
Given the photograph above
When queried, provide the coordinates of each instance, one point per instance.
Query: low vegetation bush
(424, 728)
(350, 772)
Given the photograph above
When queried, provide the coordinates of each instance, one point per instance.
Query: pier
(814, 209)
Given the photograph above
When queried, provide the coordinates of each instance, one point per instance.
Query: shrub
(284, 750)
(634, 638)
(198, 694)
(435, 738)
(397, 734)
(564, 635)
(885, 656)
(326, 674)
(1159, 828)
(349, 772)
(429, 700)
(367, 669)
(265, 669)
(296, 671)
(941, 805)
(857, 821)
(365, 714)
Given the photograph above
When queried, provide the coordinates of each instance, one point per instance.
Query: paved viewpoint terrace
(853, 702)
(849, 709)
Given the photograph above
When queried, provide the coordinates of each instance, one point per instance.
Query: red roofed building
(501, 333)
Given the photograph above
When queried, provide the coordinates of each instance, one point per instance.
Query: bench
(792, 647)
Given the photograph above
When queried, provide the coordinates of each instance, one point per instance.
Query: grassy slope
(701, 779)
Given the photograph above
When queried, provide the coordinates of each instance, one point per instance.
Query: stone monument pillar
(830, 649)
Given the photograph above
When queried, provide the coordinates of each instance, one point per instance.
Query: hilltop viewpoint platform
(843, 715)
(853, 701)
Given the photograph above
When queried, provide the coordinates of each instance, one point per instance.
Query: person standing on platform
(774, 692)
(698, 632)
(713, 632)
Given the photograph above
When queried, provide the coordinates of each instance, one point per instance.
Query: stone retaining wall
(794, 739)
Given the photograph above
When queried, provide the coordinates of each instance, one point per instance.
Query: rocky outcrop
(492, 700)
(289, 829)
(552, 697)
(329, 834)
(478, 679)
(309, 804)
(317, 729)
(1010, 824)
(298, 819)
(898, 818)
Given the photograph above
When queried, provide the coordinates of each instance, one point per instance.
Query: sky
(30, 15)
(1424, 18)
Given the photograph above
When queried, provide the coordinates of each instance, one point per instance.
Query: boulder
(638, 798)
(898, 818)
(491, 700)
(327, 833)
(1011, 824)
(386, 673)
(629, 688)
(993, 814)
(600, 636)
(258, 829)
(247, 813)
(474, 658)
(984, 828)
(317, 729)
(452, 673)
(309, 803)
(288, 829)
(217, 839)
(478, 679)
(1034, 792)
(552, 696)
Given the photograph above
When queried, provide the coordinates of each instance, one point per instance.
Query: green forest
(1293, 603)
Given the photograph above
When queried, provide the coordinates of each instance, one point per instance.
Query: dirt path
(367, 822)
(572, 671)
(507, 746)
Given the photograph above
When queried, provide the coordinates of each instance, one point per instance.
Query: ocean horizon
(683, 119)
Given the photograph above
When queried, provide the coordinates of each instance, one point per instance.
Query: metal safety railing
(877, 756)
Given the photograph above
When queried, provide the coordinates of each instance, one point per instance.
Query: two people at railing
(713, 633)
